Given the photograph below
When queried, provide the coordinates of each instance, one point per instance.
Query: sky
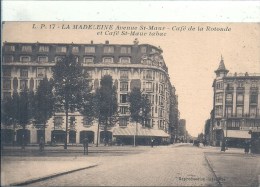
(191, 55)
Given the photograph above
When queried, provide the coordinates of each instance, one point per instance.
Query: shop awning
(144, 132)
(237, 134)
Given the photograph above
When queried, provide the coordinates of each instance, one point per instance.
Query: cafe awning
(141, 132)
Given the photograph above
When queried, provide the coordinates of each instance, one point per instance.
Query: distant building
(182, 132)
(135, 65)
(236, 106)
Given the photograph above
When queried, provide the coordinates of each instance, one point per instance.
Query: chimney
(91, 42)
(106, 42)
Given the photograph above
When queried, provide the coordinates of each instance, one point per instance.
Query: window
(7, 72)
(90, 49)
(219, 111)
(252, 111)
(26, 48)
(219, 85)
(123, 98)
(58, 122)
(125, 60)
(148, 86)
(123, 109)
(253, 85)
(58, 58)
(72, 121)
(122, 122)
(25, 59)
(75, 49)
(240, 84)
(61, 49)
(8, 58)
(108, 49)
(147, 74)
(44, 48)
(123, 74)
(219, 98)
(105, 72)
(6, 84)
(143, 49)
(40, 72)
(229, 111)
(38, 83)
(9, 48)
(240, 99)
(239, 111)
(123, 86)
(108, 60)
(24, 73)
(125, 50)
(229, 98)
(253, 98)
(42, 59)
(88, 60)
(23, 84)
(6, 95)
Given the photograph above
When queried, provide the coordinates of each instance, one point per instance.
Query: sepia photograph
(116, 103)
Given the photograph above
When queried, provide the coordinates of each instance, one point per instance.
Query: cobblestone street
(159, 166)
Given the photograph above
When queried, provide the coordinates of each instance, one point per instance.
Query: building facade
(236, 107)
(135, 65)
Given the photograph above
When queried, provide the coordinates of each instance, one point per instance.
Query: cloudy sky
(191, 56)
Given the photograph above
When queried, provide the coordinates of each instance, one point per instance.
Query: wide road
(182, 165)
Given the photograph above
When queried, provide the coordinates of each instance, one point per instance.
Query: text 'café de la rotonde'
(134, 65)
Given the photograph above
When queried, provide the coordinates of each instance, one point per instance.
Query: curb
(49, 176)
(212, 170)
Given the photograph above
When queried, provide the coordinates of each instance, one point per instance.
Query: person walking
(41, 144)
(223, 146)
(247, 146)
(85, 145)
(152, 142)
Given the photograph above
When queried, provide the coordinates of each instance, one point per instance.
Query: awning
(237, 134)
(143, 132)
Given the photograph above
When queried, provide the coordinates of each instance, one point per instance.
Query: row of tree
(68, 91)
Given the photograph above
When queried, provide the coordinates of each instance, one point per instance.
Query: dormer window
(125, 50)
(44, 48)
(61, 49)
(108, 60)
(125, 60)
(143, 49)
(75, 49)
(108, 49)
(26, 48)
(89, 49)
(9, 48)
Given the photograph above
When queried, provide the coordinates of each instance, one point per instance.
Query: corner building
(236, 107)
(135, 65)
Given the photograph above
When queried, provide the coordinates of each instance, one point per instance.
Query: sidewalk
(17, 171)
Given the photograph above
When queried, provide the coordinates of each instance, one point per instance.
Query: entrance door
(87, 134)
(23, 136)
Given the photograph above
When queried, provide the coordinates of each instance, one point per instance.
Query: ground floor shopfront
(113, 135)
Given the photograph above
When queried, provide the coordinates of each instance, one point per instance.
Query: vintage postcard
(130, 104)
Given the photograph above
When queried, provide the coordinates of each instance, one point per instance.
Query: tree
(71, 85)
(44, 104)
(107, 103)
(139, 108)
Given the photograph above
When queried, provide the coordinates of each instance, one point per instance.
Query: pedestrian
(247, 146)
(85, 145)
(223, 146)
(152, 142)
(41, 144)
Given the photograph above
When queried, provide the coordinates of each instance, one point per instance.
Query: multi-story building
(182, 132)
(135, 65)
(236, 106)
